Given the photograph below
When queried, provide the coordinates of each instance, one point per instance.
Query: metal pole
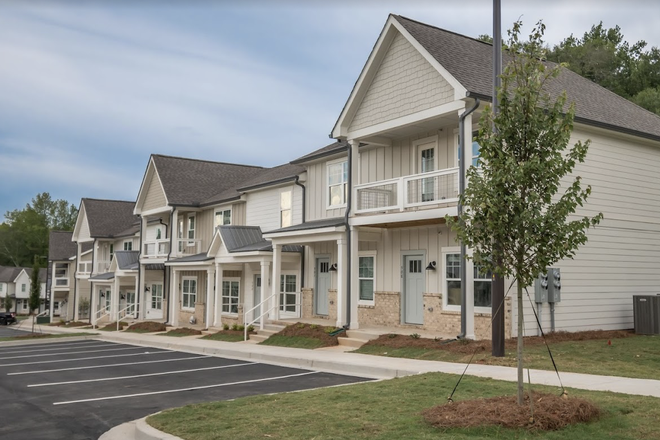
(497, 293)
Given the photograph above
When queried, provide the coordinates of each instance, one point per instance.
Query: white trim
(397, 217)
(328, 164)
(372, 254)
(150, 173)
(312, 233)
(216, 211)
(189, 278)
(298, 305)
(156, 211)
(224, 280)
(443, 279)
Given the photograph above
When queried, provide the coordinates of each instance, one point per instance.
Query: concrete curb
(144, 431)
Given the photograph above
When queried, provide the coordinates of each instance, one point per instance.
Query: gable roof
(470, 62)
(109, 218)
(193, 182)
(8, 274)
(328, 150)
(60, 246)
(273, 176)
(127, 260)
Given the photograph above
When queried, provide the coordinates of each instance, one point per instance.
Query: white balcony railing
(186, 246)
(84, 268)
(103, 266)
(398, 194)
(61, 282)
(156, 248)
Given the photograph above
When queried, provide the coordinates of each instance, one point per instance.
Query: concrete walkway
(364, 365)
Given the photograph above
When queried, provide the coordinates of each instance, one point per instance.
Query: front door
(257, 298)
(323, 279)
(130, 304)
(155, 302)
(289, 306)
(413, 293)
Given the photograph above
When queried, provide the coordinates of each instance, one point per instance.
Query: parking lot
(80, 389)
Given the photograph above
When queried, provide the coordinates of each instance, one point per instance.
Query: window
(230, 293)
(475, 153)
(288, 294)
(285, 209)
(23, 287)
(60, 270)
(189, 293)
(108, 301)
(112, 251)
(24, 304)
(128, 245)
(222, 218)
(482, 280)
(157, 296)
(337, 184)
(366, 274)
(191, 227)
(158, 234)
(2, 286)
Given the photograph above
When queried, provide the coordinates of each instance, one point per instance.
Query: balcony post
(210, 278)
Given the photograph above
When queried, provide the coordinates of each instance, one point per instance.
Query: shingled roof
(109, 218)
(272, 176)
(8, 273)
(328, 150)
(192, 182)
(60, 246)
(470, 62)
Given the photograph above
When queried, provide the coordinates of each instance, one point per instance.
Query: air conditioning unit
(646, 312)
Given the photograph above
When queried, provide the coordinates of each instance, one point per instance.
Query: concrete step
(272, 327)
(255, 339)
(359, 334)
(351, 342)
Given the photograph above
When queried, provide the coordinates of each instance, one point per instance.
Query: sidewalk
(376, 367)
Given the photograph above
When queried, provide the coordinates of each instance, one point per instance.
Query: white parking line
(71, 352)
(55, 344)
(108, 365)
(79, 359)
(163, 373)
(204, 387)
(30, 350)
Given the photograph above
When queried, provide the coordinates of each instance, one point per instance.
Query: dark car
(7, 318)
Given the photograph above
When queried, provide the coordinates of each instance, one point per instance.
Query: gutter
(304, 209)
(461, 190)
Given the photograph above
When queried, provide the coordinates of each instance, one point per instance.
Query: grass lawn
(637, 356)
(293, 341)
(181, 332)
(44, 336)
(390, 410)
(226, 337)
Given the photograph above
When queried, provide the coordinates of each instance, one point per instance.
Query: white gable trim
(82, 217)
(150, 173)
(392, 26)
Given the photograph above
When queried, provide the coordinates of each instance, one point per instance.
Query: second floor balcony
(156, 248)
(408, 192)
(188, 246)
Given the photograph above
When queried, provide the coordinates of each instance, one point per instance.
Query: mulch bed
(147, 327)
(33, 336)
(313, 331)
(69, 324)
(551, 413)
(469, 346)
(112, 326)
(184, 331)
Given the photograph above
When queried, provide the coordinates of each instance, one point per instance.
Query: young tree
(35, 289)
(516, 222)
(7, 303)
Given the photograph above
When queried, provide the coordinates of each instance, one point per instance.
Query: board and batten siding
(622, 256)
(263, 207)
(317, 193)
(405, 83)
(401, 159)
(155, 197)
(238, 214)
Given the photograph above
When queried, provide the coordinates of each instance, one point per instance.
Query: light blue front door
(413, 293)
(323, 279)
(257, 297)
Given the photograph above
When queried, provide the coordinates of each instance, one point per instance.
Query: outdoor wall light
(102, 294)
(431, 266)
(122, 296)
(333, 267)
(146, 288)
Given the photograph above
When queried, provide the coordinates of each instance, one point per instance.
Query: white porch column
(138, 294)
(52, 291)
(174, 297)
(275, 282)
(469, 291)
(342, 267)
(141, 291)
(265, 265)
(218, 296)
(93, 303)
(355, 281)
(210, 296)
(114, 300)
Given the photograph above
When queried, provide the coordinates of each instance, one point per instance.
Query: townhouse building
(16, 283)
(62, 253)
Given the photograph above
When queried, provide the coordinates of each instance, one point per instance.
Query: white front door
(155, 302)
(257, 298)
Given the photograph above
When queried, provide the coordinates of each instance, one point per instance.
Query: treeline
(24, 233)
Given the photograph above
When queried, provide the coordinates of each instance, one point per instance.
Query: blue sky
(89, 90)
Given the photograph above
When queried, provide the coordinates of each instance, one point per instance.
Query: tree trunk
(519, 353)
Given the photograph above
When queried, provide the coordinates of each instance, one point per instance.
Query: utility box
(43, 319)
(646, 313)
(554, 285)
(541, 288)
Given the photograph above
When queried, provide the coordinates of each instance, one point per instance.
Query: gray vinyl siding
(405, 83)
(622, 257)
(238, 214)
(317, 197)
(263, 207)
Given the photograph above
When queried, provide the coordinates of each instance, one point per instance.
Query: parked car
(7, 318)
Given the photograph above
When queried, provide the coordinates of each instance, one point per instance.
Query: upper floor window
(285, 209)
(23, 287)
(222, 217)
(474, 153)
(337, 184)
(128, 245)
(112, 251)
(191, 227)
(2, 286)
(366, 277)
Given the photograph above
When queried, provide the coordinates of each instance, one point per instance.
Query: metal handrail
(261, 325)
(125, 309)
(105, 309)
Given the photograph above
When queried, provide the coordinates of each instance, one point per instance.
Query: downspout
(139, 292)
(165, 277)
(461, 190)
(304, 209)
(348, 235)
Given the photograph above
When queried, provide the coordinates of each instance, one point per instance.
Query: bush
(225, 327)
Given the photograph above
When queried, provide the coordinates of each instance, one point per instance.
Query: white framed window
(288, 292)
(108, 299)
(483, 283)
(112, 251)
(286, 211)
(480, 280)
(24, 304)
(23, 287)
(337, 183)
(128, 245)
(231, 288)
(157, 296)
(191, 227)
(474, 151)
(221, 217)
(366, 277)
(2, 287)
(188, 292)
